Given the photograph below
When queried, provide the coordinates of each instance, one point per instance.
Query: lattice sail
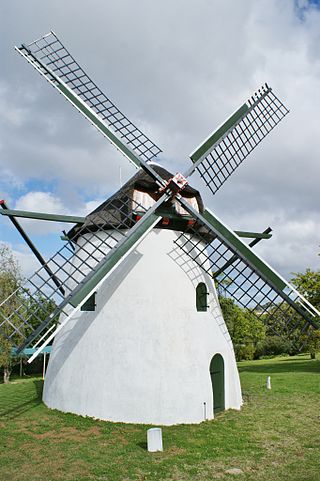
(219, 155)
(78, 266)
(246, 278)
(49, 56)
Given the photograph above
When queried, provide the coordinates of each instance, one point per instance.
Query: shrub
(244, 352)
(273, 346)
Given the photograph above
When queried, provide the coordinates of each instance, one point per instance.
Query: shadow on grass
(143, 445)
(13, 406)
(284, 365)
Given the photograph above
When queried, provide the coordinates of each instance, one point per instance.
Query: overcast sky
(177, 69)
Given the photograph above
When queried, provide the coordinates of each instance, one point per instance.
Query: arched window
(202, 297)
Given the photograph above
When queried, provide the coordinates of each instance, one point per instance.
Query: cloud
(47, 202)
(294, 242)
(177, 69)
(27, 261)
(40, 201)
(44, 234)
(11, 112)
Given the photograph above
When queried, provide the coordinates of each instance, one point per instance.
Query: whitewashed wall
(143, 356)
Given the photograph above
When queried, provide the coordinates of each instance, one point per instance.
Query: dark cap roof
(118, 210)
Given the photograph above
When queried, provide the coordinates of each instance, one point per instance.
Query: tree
(36, 307)
(10, 280)
(313, 343)
(246, 329)
(308, 284)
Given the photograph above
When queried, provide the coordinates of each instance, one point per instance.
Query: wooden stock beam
(43, 216)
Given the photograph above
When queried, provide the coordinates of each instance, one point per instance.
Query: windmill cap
(141, 183)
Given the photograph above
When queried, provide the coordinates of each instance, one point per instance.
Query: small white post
(268, 382)
(154, 440)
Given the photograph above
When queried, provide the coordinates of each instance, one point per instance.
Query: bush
(273, 346)
(244, 352)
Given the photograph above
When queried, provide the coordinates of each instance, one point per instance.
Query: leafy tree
(246, 329)
(308, 284)
(10, 279)
(313, 343)
(251, 338)
(37, 307)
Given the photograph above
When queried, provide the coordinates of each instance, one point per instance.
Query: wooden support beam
(43, 216)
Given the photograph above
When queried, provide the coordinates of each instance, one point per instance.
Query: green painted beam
(172, 214)
(80, 220)
(100, 125)
(253, 235)
(112, 259)
(28, 351)
(236, 244)
(81, 106)
(209, 143)
(89, 113)
(116, 255)
(43, 216)
(254, 261)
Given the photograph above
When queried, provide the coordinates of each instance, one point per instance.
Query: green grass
(274, 437)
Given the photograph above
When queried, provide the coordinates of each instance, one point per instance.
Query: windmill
(138, 331)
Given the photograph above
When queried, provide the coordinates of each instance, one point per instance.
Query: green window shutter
(202, 297)
(90, 304)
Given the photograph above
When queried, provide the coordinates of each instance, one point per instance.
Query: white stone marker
(268, 382)
(154, 440)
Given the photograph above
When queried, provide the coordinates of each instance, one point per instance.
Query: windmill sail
(49, 56)
(95, 248)
(224, 150)
(244, 276)
(99, 245)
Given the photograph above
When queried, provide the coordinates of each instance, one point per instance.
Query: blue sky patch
(304, 6)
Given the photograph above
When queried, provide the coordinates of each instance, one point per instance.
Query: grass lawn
(276, 436)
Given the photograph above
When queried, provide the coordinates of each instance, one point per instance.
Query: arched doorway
(217, 380)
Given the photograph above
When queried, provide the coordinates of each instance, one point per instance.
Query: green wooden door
(217, 380)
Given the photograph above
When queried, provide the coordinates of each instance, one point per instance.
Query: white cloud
(28, 262)
(11, 113)
(49, 203)
(177, 69)
(40, 201)
(294, 244)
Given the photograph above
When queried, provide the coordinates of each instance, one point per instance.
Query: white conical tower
(146, 354)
